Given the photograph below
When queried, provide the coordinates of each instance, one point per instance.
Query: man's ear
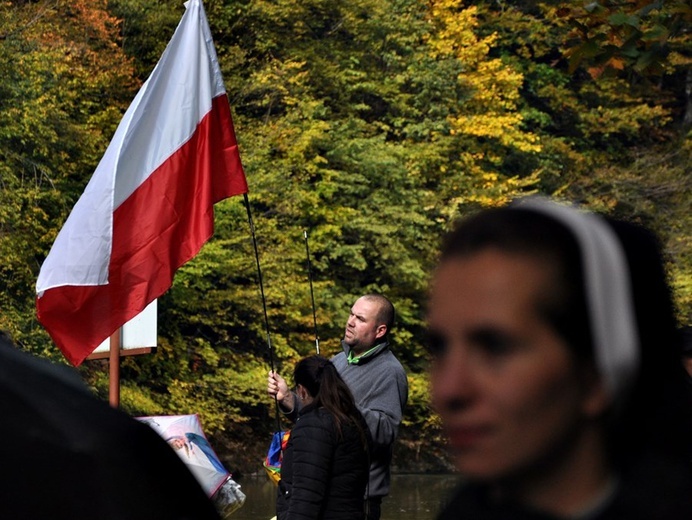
(597, 398)
(380, 331)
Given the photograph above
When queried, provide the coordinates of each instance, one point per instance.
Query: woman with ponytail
(324, 472)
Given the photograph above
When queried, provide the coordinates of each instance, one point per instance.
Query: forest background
(370, 124)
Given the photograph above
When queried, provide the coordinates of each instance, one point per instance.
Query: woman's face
(505, 385)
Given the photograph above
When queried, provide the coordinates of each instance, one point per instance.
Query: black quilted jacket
(323, 476)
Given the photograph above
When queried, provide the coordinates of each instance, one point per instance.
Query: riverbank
(243, 451)
(414, 497)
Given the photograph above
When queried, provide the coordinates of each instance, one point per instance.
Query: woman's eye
(493, 342)
(435, 344)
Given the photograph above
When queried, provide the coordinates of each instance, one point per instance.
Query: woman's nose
(452, 381)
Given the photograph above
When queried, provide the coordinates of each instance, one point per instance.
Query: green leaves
(372, 125)
(612, 36)
(64, 79)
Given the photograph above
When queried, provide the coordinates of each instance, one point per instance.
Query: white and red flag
(149, 206)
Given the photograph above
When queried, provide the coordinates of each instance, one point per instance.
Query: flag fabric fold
(149, 206)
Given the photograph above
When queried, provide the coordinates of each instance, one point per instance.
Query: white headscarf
(607, 288)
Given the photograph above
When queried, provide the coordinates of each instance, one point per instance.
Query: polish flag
(149, 206)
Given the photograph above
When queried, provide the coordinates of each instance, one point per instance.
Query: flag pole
(312, 294)
(264, 300)
(114, 369)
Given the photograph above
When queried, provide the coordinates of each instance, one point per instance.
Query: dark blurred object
(686, 348)
(67, 455)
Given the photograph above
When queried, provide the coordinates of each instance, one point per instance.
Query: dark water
(413, 497)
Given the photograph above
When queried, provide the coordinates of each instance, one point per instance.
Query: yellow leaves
(492, 86)
(418, 410)
(678, 59)
(455, 35)
(495, 191)
(485, 125)
(280, 82)
(503, 127)
(489, 179)
(627, 116)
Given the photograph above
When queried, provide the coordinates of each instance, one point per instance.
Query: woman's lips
(467, 436)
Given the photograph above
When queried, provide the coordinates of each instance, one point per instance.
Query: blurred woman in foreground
(556, 370)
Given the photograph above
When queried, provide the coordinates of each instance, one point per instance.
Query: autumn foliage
(371, 125)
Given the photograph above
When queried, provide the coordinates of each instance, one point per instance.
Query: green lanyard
(354, 360)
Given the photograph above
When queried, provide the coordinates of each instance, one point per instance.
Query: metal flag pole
(264, 301)
(312, 294)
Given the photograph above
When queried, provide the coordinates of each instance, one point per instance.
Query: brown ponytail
(322, 381)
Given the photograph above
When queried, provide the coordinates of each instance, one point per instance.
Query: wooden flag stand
(115, 352)
(114, 370)
(138, 336)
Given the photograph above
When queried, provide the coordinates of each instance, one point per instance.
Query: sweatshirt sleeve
(383, 409)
